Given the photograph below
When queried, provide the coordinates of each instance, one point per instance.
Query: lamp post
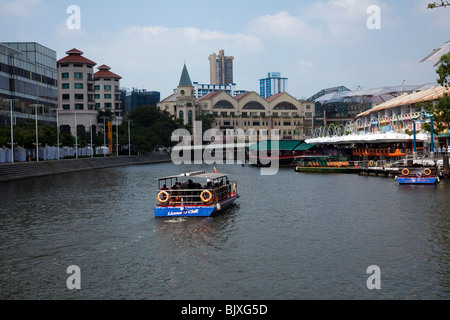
(12, 127)
(36, 106)
(129, 139)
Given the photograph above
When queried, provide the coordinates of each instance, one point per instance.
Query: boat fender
(234, 188)
(427, 171)
(405, 172)
(166, 197)
(395, 178)
(209, 196)
(218, 207)
(438, 180)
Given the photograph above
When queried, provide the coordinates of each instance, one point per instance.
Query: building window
(79, 106)
(66, 96)
(79, 96)
(107, 96)
(107, 88)
(96, 96)
(97, 88)
(78, 75)
(65, 86)
(66, 106)
(108, 105)
(78, 86)
(65, 75)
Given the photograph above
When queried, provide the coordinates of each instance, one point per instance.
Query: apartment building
(82, 92)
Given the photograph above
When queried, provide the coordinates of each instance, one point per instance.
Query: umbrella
(437, 53)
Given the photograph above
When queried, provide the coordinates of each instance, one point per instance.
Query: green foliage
(441, 114)
(150, 127)
(444, 70)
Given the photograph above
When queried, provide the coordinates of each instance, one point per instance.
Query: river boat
(287, 152)
(418, 175)
(194, 194)
(325, 164)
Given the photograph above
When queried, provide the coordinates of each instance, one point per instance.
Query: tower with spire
(186, 106)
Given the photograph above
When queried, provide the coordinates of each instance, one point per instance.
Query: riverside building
(294, 118)
(28, 79)
(82, 92)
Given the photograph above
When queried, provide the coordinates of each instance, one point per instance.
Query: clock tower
(186, 99)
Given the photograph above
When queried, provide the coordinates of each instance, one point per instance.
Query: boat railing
(204, 196)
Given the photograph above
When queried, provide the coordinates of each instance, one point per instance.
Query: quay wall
(25, 170)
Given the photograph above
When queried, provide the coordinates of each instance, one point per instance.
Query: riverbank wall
(26, 170)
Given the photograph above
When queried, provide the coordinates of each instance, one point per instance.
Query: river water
(290, 236)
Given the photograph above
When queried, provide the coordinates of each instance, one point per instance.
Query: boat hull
(417, 180)
(327, 169)
(194, 210)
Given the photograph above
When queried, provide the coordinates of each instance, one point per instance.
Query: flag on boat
(215, 170)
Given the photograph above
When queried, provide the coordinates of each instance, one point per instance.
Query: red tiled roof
(105, 73)
(273, 97)
(243, 95)
(75, 56)
(210, 95)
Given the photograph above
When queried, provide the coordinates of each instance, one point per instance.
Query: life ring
(405, 172)
(371, 163)
(202, 196)
(163, 200)
(356, 164)
(427, 171)
(408, 151)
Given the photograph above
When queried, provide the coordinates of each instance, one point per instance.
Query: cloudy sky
(316, 44)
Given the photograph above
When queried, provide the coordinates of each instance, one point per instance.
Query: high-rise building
(138, 98)
(221, 68)
(28, 80)
(272, 84)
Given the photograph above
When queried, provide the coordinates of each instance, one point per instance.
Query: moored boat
(418, 175)
(184, 195)
(325, 164)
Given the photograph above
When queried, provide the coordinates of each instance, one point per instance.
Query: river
(289, 236)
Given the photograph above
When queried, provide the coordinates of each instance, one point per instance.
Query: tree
(438, 5)
(441, 109)
(150, 127)
(444, 70)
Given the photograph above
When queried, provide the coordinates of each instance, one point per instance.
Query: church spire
(185, 80)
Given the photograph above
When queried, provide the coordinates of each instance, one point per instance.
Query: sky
(315, 44)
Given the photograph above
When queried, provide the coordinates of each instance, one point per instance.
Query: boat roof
(197, 175)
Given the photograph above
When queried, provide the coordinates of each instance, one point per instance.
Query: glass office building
(28, 77)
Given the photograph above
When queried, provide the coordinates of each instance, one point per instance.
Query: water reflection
(290, 236)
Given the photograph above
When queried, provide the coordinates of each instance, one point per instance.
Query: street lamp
(37, 135)
(129, 140)
(12, 125)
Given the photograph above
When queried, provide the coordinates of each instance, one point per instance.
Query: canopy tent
(436, 54)
(369, 138)
(375, 95)
(430, 94)
(285, 145)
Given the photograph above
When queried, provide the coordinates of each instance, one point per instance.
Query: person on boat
(164, 187)
(209, 184)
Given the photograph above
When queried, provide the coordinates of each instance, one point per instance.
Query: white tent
(436, 54)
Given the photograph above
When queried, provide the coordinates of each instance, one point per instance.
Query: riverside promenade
(25, 170)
